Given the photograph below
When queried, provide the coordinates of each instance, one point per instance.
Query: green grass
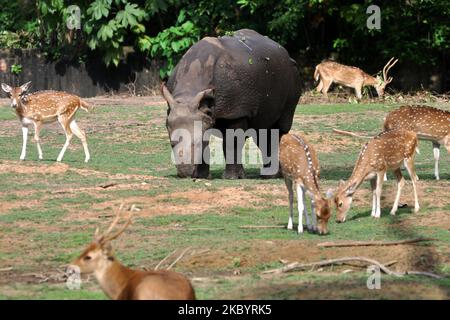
(51, 217)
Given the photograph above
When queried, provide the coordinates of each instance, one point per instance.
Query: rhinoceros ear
(167, 95)
(205, 94)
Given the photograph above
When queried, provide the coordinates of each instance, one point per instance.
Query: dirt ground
(229, 261)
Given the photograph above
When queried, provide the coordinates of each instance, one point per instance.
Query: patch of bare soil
(351, 289)
(406, 257)
(328, 142)
(16, 167)
(127, 100)
(346, 95)
(9, 205)
(187, 202)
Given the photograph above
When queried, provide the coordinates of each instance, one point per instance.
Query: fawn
(386, 151)
(300, 168)
(122, 283)
(43, 107)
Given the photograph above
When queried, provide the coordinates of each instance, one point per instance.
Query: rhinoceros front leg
(201, 171)
(233, 144)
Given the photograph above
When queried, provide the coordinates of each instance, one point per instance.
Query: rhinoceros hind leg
(234, 171)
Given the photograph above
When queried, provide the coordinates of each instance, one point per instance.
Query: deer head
(343, 200)
(383, 81)
(16, 93)
(99, 252)
(323, 214)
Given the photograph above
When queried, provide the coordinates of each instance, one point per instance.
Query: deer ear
(25, 86)
(351, 190)
(6, 88)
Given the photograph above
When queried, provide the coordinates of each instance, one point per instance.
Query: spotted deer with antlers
(43, 107)
(121, 283)
(429, 123)
(387, 151)
(329, 72)
(300, 168)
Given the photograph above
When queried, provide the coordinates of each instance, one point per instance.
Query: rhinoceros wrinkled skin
(244, 81)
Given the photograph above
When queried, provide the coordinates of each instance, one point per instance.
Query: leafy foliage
(415, 31)
(171, 43)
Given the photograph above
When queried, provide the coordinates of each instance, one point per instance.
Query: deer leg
(309, 227)
(378, 193)
(301, 207)
(320, 86)
(409, 164)
(400, 184)
(373, 185)
(313, 215)
(288, 182)
(358, 93)
(436, 153)
(82, 136)
(326, 87)
(24, 142)
(69, 136)
(37, 131)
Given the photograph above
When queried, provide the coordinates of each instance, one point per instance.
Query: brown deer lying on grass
(429, 123)
(328, 72)
(387, 151)
(43, 107)
(122, 283)
(300, 168)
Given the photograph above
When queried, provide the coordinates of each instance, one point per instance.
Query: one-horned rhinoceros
(244, 81)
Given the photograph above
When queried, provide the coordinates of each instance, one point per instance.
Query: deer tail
(417, 150)
(352, 134)
(316, 74)
(85, 106)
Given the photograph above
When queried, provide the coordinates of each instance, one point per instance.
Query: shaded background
(127, 46)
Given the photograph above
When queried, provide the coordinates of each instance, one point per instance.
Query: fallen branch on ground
(263, 227)
(371, 243)
(352, 134)
(178, 259)
(6, 269)
(197, 229)
(165, 258)
(299, 266)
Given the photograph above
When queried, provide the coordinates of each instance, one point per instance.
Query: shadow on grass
(384, 212)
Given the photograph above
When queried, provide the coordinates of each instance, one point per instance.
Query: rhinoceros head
(188, 117)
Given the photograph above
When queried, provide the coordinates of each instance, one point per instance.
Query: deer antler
(386, 69)
(106, 235)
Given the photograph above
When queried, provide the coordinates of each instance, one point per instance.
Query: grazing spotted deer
(43, 107)
(428, 123)
(386, 151)
(300, 168)
(122, 283)
(328, 72)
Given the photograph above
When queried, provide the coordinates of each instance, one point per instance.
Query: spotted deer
(328, 72)
(428, 123)
(300, 168)
(121, 283)
(43, 107)
(386, 151)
